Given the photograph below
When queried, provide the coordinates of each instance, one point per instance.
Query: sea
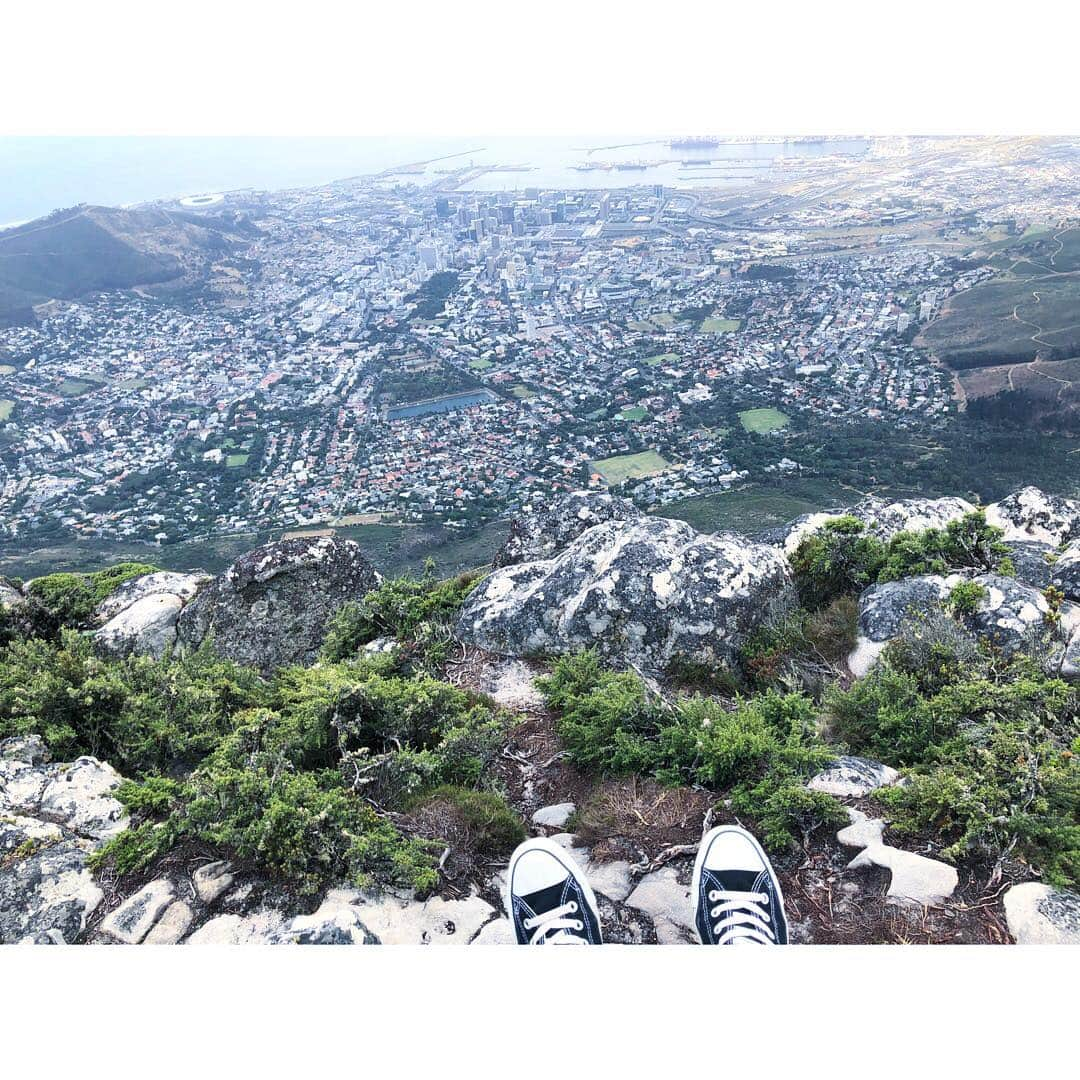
(41, 174)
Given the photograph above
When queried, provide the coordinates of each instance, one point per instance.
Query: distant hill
(88, 249)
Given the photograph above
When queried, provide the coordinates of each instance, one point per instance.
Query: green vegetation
(74, 387)
(662, 358)
(417, 612)
(58, 600)
(300, 774)
(843, 557)
(617, 470)
(714, 325)
(6, 408)
(762, 421)
(758, 750)
(633, 414)
(522, 392)
(430, 298)
(480, 365)
(236, 461)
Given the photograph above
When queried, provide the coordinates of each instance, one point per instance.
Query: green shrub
(417, 612)
(964, 598)
(68, 600)
(836, 560)
(758, 749)
(966, 543)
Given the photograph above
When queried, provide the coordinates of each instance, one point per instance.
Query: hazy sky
(546, 66)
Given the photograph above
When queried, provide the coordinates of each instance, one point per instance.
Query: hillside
(87, 249)
(298, 751)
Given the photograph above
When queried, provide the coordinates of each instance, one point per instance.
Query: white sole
(542, 843)
(699, 863)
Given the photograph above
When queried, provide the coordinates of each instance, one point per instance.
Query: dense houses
(415, 350)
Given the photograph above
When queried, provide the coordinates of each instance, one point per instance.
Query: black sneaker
(737, 899)
(548, 899)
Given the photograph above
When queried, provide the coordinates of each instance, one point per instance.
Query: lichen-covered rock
(882, 519)
(1031, 514)
(1039, 915)
(540, 532)
(46, 891)
(271, 607)
(146, 627)
(26, 749)
(79, 796)
(1011, 616)
(132, 920)
(1033, 562)
(883, 610)
(1065, 572)
(10, 596)
(853, 777)
(917, 515)
(642, 592)
(159, 583)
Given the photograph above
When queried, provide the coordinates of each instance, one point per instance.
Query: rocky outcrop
(643, 593)
(1065, 572)
(883, 519)
(271, 607)
(853, 777)
(1033, 562)
(160, 583)
(1039, 915)
(1031, 514)
(1011, 616)
(52, 818)
(883, 610)
(10, 596)
(915, 878)
(145, 628)
(538, 533)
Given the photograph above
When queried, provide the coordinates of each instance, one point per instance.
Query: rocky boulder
(883, 519)
(146, 628)
(883, 610)
(160, 583)
(1033, 562)
(1065, 572)
(272, 605)
(1039, 915)
(10, 596)
(52, 818)
(642, 592)
(540, 532)
(1031, 514)
(1011, 616)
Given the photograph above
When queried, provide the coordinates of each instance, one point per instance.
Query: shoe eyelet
(573, 905)
(578, 924)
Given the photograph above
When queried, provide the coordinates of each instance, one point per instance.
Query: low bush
(68, 600)
(758, 750)
(417, 612)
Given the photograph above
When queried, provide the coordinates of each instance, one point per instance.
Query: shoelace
(556, 924)
(747, 920)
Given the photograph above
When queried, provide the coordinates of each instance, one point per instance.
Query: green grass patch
(634, 414)
(663, 358)
(522, 392)
(235, 461)
(74, 387)
(617, 470)
(719, 326)
(761, 421)
(480, 365)
(6, 407)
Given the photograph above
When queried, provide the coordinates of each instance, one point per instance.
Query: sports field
(479, 365)
(235, 461)
(662, 358)
(761, 421)
(522, 392)
(5, 409)
(636, 413)
(616, 470)
(719, 326)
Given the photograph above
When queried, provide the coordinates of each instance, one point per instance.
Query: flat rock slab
(610, 879)
(257, 929)
(915, 878)
(496, 932)
(211, 880)
(132, 920)
(667, 902)
(1039, 915)
(172, 926)
(853, 777)
(395, 921)
(81, 796)
(555, 816)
